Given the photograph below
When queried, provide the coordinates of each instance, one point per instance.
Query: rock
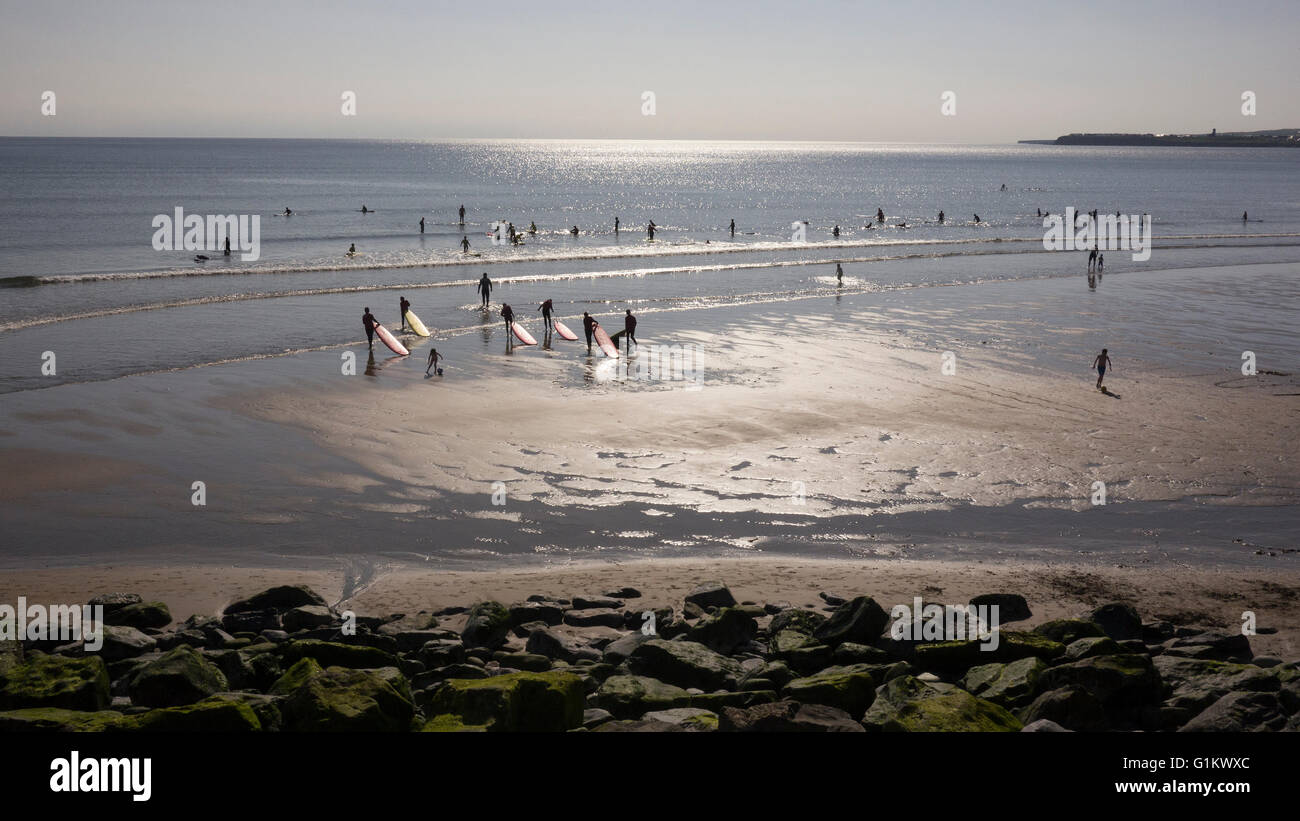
(234, 666)
(595, 603)
(689, 718)
(278, 599)
(180, 676)
(212, 715)
(1091, 646)
(411, 641)
(441, 652)
(1008, 685)
(517, 702)
(112, 602)
(252, 620)
(1213, 646)
(532, 662)
(633, 696)
(851, 689)
(906, 704)
(727, 630)
(56, 681)
(692, 611)
(860, 621)
(58, 720)
(1124, 684)
(832, 599)
(1195, 684)
(787, 641)
(295, 677)
(1266, 661)
(1067, 631)
(853, 653)
(11, 655)
(639, 726)
(334, 654)
(276, 636)
(594, 618)
(266, 708)
(547, 642)
(487, 625)
(121, 642)
(1068, 707)
(1118, 621)
(722, 698)
(685, 664)
(787, 716)
(1155, 632)
(547, 613)
(1044, 725)
(140, 615)
(1011, 606)
(624, 593)
(306, 617)
(777, 673)
(595, 716)
(341, 700)
(710, 594)
(441, 674)
(807, 660)
(1238, 713)
(951, 656)
(617, 651)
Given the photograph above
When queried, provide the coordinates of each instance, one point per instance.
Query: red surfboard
(603, 340)
(564, 332)
(390, 340)
(522, 334)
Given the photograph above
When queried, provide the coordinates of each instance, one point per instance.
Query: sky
(718, 69)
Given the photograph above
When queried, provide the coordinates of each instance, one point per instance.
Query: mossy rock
(213, 715)
(907, 704)
(181, 676)
(339, 699)
(285, 597)
(56, 681)
(860, 621)
(1193, 685)
(296, 676)
(487, 625)
(695, 719)
(447, 723)
(1125, 684)
(335, 654)
(1090, 646)
(742, 698)
(11, 655)
(515, 702)
(851, 689)
(633, 696)
(58, 720)
(1008, 685)
(727, 630)
(797, 619)
(531, 662)
(1013, 645)
(265, 707)
(1067, 631)
(685, 664)
(787, 641)
(141, 615)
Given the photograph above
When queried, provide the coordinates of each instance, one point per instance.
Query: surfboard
(603, 340)
(522, 334)
(415, 323)
(616, 337)
(391, 341)
(564, 332)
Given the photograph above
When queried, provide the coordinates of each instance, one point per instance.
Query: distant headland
(1246, 139)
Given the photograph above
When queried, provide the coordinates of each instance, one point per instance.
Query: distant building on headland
(1245, 139)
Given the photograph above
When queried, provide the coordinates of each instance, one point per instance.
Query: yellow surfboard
(416, 324)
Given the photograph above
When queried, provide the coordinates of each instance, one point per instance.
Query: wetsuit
(369, 321)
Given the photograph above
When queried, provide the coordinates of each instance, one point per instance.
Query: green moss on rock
(527, 702)
(58, 720)
(56, 681)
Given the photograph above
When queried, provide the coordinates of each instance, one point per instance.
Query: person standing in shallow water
(588, 327)
(369, 322)
(839, 273)
(485, 288)
(1101, 363)
(403, 306)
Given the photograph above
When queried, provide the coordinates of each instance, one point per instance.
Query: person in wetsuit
(484, 288)
(403, 306)
(589, 324)
(629, 329)
(369, 322)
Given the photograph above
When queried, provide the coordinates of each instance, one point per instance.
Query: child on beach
(434, 356)
(1101, 363)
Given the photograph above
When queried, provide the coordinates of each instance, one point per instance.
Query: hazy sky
(798, 70)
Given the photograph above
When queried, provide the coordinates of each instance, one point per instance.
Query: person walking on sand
(421, 225)
(369, 322)
(545, 308)
(1101, 363)
(629, 330)
(434, 356)
(403, 306)
(589, 324)
(839, 273)
(484, 288)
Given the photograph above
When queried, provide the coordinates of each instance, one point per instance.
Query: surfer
(836, 232)
(1101, 262)
(287, 212)
(532, 227)
(464, 244)
(368, 320)
(484, 288)
(1092, 258)
(421, 225)
(880, 215)
(977, 219)
(545, 308)
(1243, 216)
(1101, 363)
(508, 314)
(352, 250)
(365, 210)
(941, 218)
(227, 251)
(511, 231)
(1004, 186)
(650, 229)
(403, 306)
(839, 273)
(629, 330)
(434, 356)
(615, 225)
(574, 230)
(589, 324)
(462, 215)
(733, 228)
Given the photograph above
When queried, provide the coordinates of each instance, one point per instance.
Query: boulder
(689, 718)
(787, 716)
(1066, 631)
(278, 599)
(1126, 684)
(112, 602)
(860, 621)
(212, 715)
(548, 613)
(1239, 713)
(710, 594)
(1012, 645)
(617, 651)
(442, 652)
(1008, 685)
(533, 662)
(1044, 725)
(1092, 646)
(487, 625)
(1193, 685)
(594, 618)
(640, 725)
(140, 615)
(338, 699)
(547, 642)
(595, 603)
(1011, 606)
(56, 681)
(624, 593)
(727, 630)
(180, 676)
(850, 689)
(121, 642)
(335, 654)
(792, 618)
(633, 696)
(685, 664)
(853, 653)
(1120, 622)
(1213, 646)
(306, 617)
(907, 704)
(517, 702)
(58, 720)
(1068, 707)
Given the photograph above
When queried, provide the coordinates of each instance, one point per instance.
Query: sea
(81, 276)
